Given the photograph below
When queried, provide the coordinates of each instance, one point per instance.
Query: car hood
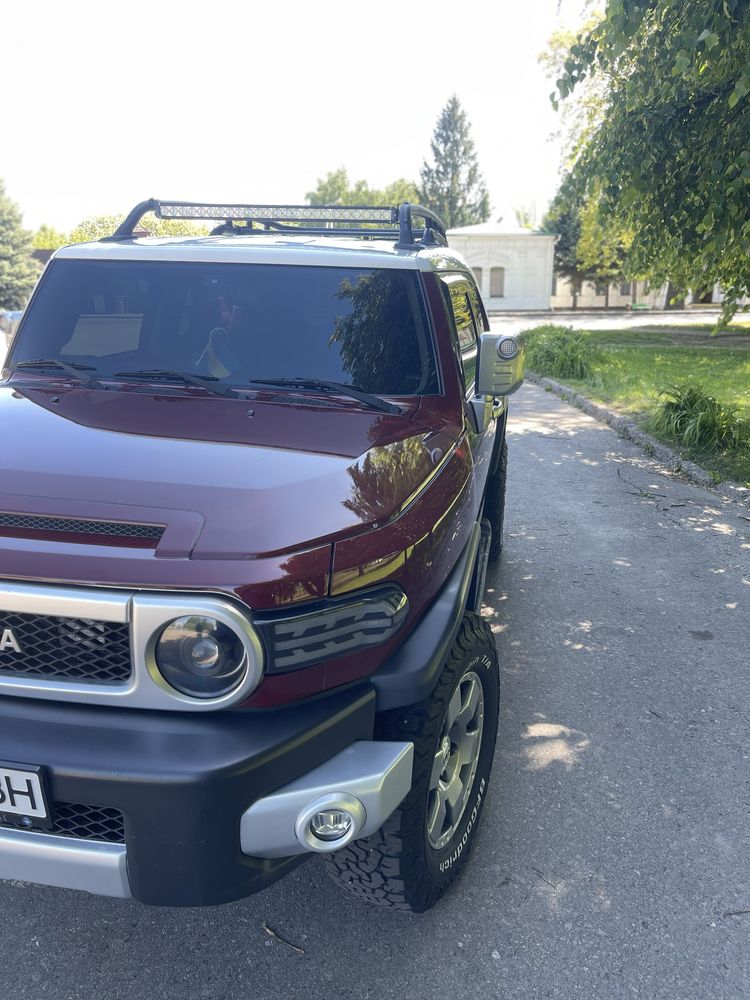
(258, 476)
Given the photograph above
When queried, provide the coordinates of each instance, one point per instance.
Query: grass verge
(630, 368)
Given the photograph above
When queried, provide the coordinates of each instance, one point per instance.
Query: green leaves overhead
(671, 150)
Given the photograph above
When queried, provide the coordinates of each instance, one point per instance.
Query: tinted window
(366, 327)
(465, 329)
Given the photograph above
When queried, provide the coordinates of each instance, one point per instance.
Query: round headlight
(507, 348)
(201, 656)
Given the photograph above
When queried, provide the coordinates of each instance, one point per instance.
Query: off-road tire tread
(380, 869)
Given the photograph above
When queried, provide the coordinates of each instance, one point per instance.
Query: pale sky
(104, 104)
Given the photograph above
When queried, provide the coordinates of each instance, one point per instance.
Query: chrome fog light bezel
(332, 802)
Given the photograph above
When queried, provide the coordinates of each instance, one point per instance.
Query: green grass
(633, 367)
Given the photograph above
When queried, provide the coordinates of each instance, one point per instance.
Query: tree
(18, 272)
(603, 243)
(581, 113)
(336, 189)
(671, 151)
(452, 184)
(564, 220)
(48, 238)
(588, 248)
(526, 216)
(97, 226)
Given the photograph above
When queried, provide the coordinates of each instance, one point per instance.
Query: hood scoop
(20, 525)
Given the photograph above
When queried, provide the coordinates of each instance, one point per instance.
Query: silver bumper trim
(64, 862)
(377, 774)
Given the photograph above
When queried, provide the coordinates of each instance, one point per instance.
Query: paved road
(613, 857)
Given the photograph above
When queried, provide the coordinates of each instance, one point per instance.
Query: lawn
(635, 365)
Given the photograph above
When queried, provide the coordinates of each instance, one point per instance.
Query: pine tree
(18, 271)
(452, 184)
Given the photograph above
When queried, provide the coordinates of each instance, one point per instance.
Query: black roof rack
(367, 221)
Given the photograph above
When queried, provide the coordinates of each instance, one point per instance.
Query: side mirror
(500, 364)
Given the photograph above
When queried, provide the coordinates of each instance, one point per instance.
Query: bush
(691, 417)
(560, 352)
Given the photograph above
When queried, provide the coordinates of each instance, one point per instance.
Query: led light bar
(365, 221)
(285, 213)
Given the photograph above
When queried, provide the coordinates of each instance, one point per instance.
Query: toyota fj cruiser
(249, 486)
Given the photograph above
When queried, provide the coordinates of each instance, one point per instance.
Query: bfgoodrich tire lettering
(398, 866)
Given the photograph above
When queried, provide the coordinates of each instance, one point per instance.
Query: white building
(513, 266)
(603, 295)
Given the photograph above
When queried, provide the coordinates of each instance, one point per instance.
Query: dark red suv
(249, 486)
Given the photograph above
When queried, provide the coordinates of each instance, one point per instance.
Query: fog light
(507, 348)
(329, 822)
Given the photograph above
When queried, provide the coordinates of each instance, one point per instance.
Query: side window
(466, 328)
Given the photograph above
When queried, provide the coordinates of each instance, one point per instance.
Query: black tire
(398, 867)
(494, 502)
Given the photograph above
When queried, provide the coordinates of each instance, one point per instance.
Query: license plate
(22, 796)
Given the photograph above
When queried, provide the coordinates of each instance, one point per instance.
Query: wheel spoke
(438, 766)
(436, 818)
(454, 791)
(468, 748)
(468, 705)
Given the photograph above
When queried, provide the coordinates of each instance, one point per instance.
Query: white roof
(267, 249)
(501, 228)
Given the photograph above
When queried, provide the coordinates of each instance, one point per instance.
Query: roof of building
(504, 226)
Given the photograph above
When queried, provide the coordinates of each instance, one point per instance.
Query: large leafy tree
(18, 272)
(336, 189)
(451, 184)
(671, 150)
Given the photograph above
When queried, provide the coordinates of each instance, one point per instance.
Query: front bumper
(193, 791)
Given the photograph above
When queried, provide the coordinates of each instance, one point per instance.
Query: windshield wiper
(209, 382)
(324, 385)
(72, 368)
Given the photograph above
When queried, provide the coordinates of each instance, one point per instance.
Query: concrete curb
(629, 429)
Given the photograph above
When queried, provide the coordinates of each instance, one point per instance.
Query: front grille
(76, 649)
(72, 819)
(78, 526)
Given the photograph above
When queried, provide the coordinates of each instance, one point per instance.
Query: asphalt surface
(612, 860)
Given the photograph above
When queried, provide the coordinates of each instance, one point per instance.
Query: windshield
(235, 322)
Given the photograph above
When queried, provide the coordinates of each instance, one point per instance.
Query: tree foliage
(451, 184)
(582, 112)
(587, 248)
(671, 152)
(97, 226)
(336, 189)
(18, 272)
(603, 243)
(48, 238)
